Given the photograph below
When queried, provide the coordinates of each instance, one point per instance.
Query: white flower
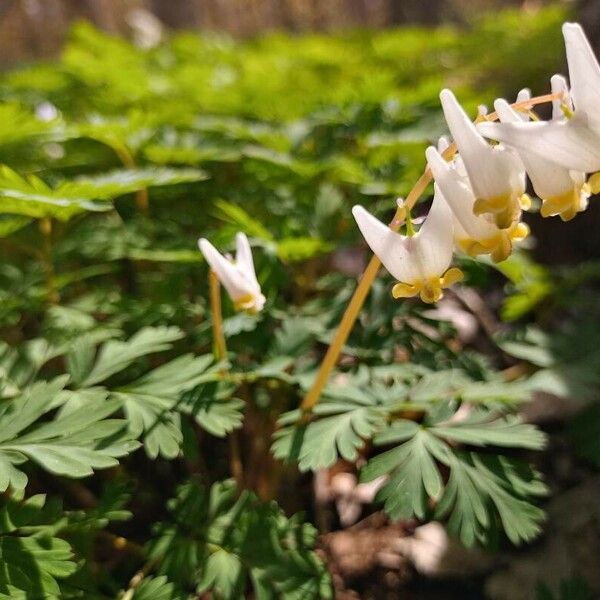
(420, 262)
(473, 234)
(239, 277)
(563, 191)
(496, 174)
(573, 140)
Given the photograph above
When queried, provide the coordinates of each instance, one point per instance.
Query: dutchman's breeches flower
(496, 173)
(562, 191)
(421, 262)
(473, 234)
(570, 139)
(238, 277)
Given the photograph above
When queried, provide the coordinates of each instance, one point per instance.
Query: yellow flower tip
(430, 294)
(594, 183)
(430, 290)
(452, 276)
(481, 206)
(566, 109)
(247, 303)
(568, 215)
(405, 290)
(520, 232)
(505, 219)
(567, 205)
(525, 202)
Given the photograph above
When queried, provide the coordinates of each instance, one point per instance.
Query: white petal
(524, 95)
(457, 192)
(584, 71)
(233, 281)
(443, 144)
(569, 143)
(506, 113)
(243, 259)
(389, 246)
(558, 85)
(548, 179)
(434, 243)
(494, 172)
(470, 143)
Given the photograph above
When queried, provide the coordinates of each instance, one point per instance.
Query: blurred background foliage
(118, 154)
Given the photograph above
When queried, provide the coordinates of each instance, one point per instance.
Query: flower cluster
(479, 193)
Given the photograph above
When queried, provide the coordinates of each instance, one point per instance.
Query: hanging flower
(420, 262)
(496, 174)
(238, 277)
(473, 234)
(563, 192)
(571, 139)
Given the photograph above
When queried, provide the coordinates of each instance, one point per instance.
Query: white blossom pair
(238, 277)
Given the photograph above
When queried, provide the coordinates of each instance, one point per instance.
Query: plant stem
(141, 196)
(220, 348)
(370, 273)
(45, 225)
(220, 351)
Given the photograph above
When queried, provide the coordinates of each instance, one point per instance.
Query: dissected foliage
(116, 159)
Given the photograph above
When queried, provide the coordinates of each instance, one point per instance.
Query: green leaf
(124, 181)
(220, 541)
(236, 215)
(32, 559)
(156, 588)
(483, 493)
(212, 406)
(72, 444)
(414, 476)
(483, 490)
(297, 249)
(9, 224)
(150, 403)
(31, 197)
(340, 428)
(482, 428)
(115, 355)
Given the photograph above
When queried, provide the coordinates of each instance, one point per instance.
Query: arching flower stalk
(420, 262)
(497, 184)
(238, 277)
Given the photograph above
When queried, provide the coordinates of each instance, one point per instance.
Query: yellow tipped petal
(594, 183)
(503, 250)
(431, 294)
(520, 232)
(452, 276)
(404, 290)
(525, 202)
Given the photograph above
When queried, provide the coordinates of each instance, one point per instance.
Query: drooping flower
(573, 140)
(496, 174)
(419, 262)
(473, 234)
(563, 192)
(238, 277)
